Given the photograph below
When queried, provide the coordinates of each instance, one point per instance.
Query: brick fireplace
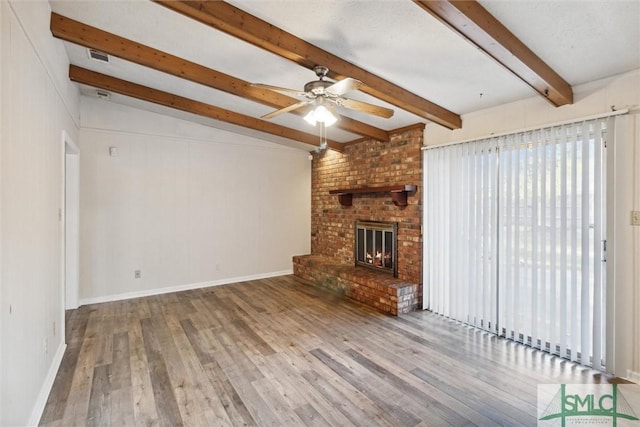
(371, 164)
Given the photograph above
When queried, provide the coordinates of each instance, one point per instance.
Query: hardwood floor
(281, 352)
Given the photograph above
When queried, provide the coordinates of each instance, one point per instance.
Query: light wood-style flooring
(279, 352)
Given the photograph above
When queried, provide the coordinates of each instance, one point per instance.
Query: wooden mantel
(398, 193)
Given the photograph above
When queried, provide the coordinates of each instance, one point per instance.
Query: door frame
(70, 218)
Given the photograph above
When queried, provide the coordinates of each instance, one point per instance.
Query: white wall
(38, 103)
(620, 92)
(593, 98)
(186, 204)
(4, 89)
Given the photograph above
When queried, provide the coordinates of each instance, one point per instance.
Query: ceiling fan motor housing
(317, 87)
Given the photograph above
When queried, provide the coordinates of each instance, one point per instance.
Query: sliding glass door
(515, 237)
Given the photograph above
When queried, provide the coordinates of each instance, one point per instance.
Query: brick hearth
(381, 291)
(368, 164)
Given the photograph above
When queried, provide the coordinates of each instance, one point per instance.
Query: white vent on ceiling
(96, 55)
(103, 94)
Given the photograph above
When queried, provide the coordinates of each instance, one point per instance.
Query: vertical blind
(460, 225)
(515, 237)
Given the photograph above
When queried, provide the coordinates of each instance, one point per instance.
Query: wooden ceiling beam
(231, 20)
(123, 87)
(85, 35)
(419, 126)
(476, 24)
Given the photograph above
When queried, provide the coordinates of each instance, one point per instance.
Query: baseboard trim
(38, 407)
(633, 376)
(167, 290)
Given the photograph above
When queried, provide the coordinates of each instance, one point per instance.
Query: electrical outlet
(46, 346)
(137, 274)
(635, 217)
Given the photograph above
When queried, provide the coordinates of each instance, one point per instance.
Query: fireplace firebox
(375, 246)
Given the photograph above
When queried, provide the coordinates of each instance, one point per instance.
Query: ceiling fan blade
(343, 86)
(285, 109)
(279, 89)
(365, 107)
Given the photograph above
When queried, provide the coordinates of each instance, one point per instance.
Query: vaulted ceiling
(428, 61)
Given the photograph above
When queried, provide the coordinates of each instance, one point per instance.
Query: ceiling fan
(324, 96)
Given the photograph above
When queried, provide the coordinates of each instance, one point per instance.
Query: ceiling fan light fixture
(310, 117)
(321, 114)
(324, 115)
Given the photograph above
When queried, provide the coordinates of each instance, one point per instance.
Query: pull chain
(323, 136)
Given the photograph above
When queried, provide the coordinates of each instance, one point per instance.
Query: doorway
(71, 222)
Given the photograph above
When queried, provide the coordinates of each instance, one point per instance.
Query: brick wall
(369, 164)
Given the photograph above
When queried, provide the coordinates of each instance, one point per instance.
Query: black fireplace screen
(375, 245)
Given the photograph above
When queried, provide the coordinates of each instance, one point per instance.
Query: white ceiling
(394, 39)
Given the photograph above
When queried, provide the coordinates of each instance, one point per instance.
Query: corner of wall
(43, 395)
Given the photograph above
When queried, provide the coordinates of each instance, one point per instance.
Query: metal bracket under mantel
(398, 193)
